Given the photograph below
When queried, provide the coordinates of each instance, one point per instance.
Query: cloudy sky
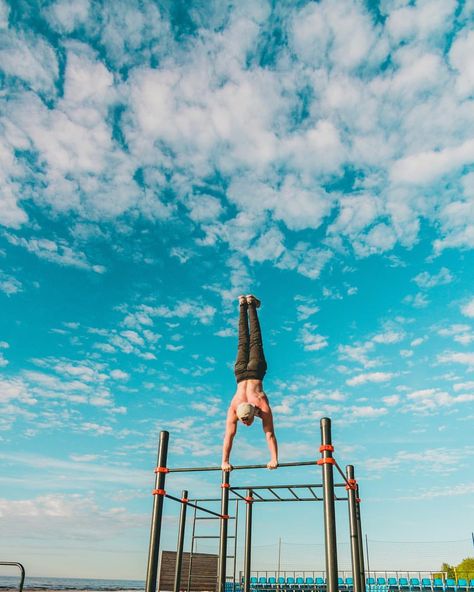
(157, 159)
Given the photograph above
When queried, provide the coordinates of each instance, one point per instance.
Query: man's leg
(240, 366)
(257, 365)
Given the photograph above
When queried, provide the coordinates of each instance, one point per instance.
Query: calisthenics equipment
(253, 495)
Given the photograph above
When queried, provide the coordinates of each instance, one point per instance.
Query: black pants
(250, 363)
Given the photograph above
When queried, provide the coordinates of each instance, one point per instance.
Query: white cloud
(426, 280)
(388, 337)
(466, 359)
(312, 341)
(370, 377)
(419, 300)
(468, 309)
(460, 56)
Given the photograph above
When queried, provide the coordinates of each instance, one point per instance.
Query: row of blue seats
(390, 584)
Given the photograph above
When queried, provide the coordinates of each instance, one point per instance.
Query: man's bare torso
(250, 391)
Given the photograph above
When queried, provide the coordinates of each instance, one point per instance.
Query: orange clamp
(159, 492)
(351, 484)
(162, 470)
(328, 447)
(326, 461)
(184, 500)
(225, 485)
(225, 516)
(249, 499)
(358, 500)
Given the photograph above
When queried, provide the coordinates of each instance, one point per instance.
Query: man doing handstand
(250, 400)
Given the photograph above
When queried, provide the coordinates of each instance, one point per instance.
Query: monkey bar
(256, 494)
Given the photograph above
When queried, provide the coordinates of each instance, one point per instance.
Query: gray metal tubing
(180, 544)
(361, 543)
(292, 485)
(242, 467)
(22, 571)
(351, 497)
(329, 509)
(155, 531)
(248, 542)
(223, 532)
(176, 499)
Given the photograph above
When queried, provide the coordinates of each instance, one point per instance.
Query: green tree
(466, 569)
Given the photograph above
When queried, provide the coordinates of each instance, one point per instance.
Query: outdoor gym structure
(258, 494)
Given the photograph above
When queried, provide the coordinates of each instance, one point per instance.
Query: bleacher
(345, 584)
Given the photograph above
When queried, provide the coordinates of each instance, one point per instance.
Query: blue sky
(157, 159)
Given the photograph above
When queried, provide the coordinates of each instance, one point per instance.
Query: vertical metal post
(179, 547)
(223, 532)
(329, 509)
(155, 531)
(190, 569)
(248, 541)
(361, 544)
(351, 498)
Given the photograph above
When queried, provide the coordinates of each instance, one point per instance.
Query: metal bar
(242, 467)
(351, 496)
(315, 496)
(293, 493)
(190, 567)
(276, 495)
(22, 571)
(155, 531)
(361, 544)
(259, 496)
(329, 509)
(294, 485)
(235, 543)
(248, 542)
(223, 532)
(177, 499)
(180, 544)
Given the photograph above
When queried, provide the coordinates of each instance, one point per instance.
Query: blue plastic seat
(471, 583)
(309, 582)
(370, 581)
(403, 584)
(450, 585)
(281, 581)
(415, 585)
(392, 584)
(381, 582)
(320, 583)
(462, 585)
(290, 581)
(272, 581)
(426, 584)
(438, 585)
(349, 584)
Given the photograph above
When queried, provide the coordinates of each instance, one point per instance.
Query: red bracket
(184, 500)
(351, 484)
(225, 485)
(328, 447)
(159, 492)
(326, 461)
(249, 499)
(225, 516)
(162, 470)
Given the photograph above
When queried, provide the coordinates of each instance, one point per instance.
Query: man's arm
(267, 424)
(230, 431)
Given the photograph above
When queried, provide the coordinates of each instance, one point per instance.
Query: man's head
(246, 412)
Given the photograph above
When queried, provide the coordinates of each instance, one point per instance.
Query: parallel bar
(180, 544)
(155, 531)
(242, 467)
(293, 485)
(270, 489)
(293, 493)
(248, 542)
(351, 496)
(223, 532)
(22, 572)
(329, 509)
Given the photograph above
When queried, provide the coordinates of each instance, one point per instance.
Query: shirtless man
(250, 400)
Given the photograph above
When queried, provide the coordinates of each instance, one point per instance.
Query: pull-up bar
(241, 467)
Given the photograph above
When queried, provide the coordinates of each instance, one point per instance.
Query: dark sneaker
(251, 299)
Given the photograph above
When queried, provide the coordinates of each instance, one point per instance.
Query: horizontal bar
(242, 467)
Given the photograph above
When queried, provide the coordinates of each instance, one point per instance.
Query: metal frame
(254, 495)
(22, 571)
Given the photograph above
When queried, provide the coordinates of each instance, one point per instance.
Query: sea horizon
(45, 583)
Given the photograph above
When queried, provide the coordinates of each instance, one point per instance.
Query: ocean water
(82, 584)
